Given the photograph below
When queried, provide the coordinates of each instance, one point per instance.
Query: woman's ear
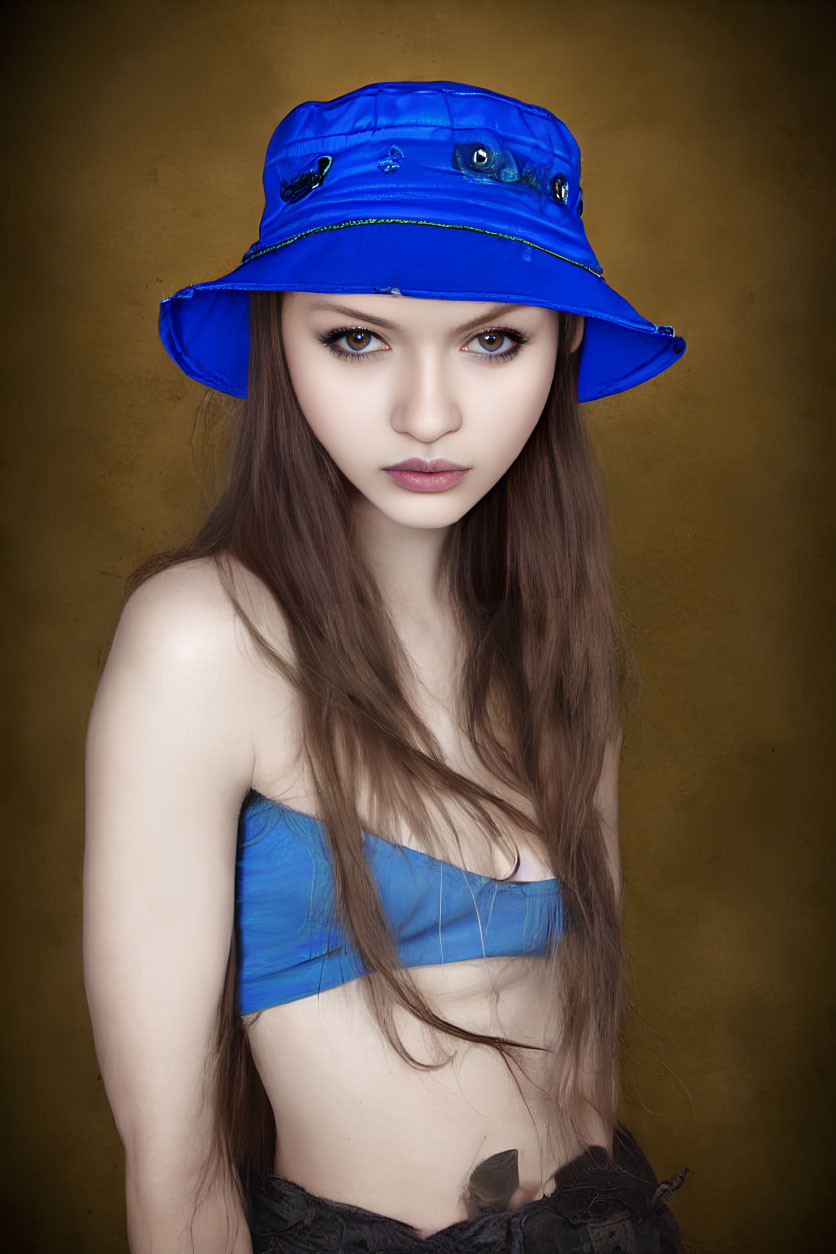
(580, 327)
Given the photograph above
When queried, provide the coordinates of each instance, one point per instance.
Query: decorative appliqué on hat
(485, 163)
(391, 161)
(481, 161)
(560, 188)
(296, 188)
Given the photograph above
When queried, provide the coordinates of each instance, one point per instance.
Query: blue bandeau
(289, 945)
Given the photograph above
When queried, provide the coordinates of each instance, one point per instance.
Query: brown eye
(350, 343)
(489, 343)
(358, 339)
(491, 340)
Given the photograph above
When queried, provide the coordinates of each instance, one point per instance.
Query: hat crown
(435, 152)
(381, 109)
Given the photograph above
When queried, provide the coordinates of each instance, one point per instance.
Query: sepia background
(136, 135)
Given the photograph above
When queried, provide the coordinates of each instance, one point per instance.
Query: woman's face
(386, 380)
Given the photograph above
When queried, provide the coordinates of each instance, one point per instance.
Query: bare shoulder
(183, 672)
(191, 605)
(186, 617)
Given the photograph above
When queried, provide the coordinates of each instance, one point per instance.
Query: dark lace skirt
(600, 1205)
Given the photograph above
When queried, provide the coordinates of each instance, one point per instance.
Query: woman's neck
(404, 561)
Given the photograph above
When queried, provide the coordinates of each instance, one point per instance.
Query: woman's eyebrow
(496, 311)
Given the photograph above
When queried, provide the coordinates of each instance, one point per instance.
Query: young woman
(352, 879)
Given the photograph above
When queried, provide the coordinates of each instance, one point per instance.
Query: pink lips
(417, 475)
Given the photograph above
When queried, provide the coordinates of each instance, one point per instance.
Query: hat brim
(205, 327)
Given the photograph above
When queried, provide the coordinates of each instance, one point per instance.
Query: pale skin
(187, 719)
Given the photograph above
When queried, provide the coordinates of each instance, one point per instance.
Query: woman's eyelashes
(491, 340)
(358, 340)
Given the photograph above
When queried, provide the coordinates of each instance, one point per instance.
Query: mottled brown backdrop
(137, 133)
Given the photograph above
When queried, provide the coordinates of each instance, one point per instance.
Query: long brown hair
(544, 671)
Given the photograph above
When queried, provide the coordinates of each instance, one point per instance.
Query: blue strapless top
(289, 945)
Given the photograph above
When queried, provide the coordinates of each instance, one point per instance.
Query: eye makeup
(331, 338)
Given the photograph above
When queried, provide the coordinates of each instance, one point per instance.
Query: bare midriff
(358, 1124)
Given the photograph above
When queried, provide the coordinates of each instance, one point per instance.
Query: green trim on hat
(450, 226)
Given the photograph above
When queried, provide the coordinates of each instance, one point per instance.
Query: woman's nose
(426, 406)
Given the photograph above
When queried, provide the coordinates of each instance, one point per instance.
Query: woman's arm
(595, 1128)
(606, 803)
(169, 758)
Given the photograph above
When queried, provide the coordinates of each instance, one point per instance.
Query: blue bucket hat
(430, 189)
